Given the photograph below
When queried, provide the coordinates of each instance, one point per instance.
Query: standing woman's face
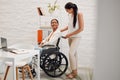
(70, 11)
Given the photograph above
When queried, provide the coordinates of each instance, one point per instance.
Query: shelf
(45, 27)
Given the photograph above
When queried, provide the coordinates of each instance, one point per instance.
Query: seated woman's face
(54, 24)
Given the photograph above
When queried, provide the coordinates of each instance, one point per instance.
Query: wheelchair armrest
(48, 46)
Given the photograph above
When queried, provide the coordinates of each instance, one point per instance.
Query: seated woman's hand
(41, 44)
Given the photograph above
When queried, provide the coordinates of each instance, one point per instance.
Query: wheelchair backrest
(58, 41)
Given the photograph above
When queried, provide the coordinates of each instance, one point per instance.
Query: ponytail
(75, 9)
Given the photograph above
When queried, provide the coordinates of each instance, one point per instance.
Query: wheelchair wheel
(55, 64)
(52, 61)
(33, 72)
(44, 54)
(42, 57)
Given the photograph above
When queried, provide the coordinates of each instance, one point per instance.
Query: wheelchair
(53, 62)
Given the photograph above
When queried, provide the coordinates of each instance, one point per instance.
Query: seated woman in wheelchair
(50, 56)
(53, 36)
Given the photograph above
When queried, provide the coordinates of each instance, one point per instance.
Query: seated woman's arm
(45, 40)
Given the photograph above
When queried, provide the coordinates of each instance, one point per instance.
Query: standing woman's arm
(80, 24)
(64, 29)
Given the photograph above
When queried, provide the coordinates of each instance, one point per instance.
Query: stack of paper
(20, 51)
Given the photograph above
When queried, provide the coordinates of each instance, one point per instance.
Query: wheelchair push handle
(58, 41)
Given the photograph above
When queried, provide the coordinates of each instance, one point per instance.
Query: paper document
(20, 51)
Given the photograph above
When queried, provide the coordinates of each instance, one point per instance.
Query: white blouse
(70, 26)
(52, 38)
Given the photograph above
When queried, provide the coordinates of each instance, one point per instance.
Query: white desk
(7, 56)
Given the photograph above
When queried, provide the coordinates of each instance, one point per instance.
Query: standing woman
(75, 27)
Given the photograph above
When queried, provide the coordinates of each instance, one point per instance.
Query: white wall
(107, 65)
(19, 21)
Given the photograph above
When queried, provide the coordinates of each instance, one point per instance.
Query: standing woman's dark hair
(70, 5)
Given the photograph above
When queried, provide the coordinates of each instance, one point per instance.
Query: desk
(7, 56)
